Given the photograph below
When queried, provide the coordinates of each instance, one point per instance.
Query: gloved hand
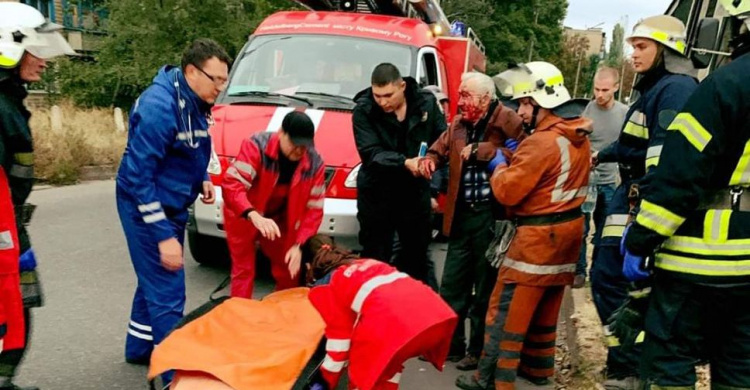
(27, 261)
(512, 144)
(632, 265)
(496, 161)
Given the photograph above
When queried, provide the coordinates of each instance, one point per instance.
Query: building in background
(596, 38)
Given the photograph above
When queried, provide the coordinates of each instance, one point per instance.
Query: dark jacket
(16, 150)
(376, 134)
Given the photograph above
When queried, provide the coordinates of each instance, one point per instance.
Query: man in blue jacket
(162, 172)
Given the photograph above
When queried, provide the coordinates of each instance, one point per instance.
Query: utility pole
(623, 60)
(578, 73)
(533, 38)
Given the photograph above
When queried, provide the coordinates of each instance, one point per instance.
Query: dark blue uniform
(636, 151)
(160, 176)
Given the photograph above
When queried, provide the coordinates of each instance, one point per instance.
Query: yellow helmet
(740, 8)
(538, 80)
(664, 29)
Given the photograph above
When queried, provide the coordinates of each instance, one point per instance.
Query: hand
(209, 193)
(1, 345)
(496, 161)
(512, 144)
(170, 252)
(293, 259)
(266, 226)
(434, 205)
(594, 159)
(466, 152)
(412, 164)
(632, 265)
(426, 168)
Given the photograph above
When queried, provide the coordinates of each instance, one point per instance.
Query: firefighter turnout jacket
(694, 213)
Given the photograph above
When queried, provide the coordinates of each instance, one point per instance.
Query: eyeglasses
(463, 95)
(218, 81)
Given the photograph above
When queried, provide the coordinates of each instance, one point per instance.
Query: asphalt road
(78, 336)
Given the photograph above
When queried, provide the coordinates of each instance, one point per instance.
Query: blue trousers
(159, 300)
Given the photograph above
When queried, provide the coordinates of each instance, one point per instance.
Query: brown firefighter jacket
(548, 174)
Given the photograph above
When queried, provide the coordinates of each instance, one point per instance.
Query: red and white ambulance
(317, 61)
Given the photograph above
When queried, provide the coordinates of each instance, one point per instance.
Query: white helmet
(739, 8)
(539, 80)
(23, 28)
(664, 29)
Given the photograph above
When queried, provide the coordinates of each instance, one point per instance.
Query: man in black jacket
(391, 121)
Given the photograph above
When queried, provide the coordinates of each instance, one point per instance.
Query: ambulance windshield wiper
(330, 95)
(264, 94)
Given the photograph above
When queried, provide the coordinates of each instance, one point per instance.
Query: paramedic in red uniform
(273, 194)
(376, 318)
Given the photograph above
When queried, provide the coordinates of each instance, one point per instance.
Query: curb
(97, 172)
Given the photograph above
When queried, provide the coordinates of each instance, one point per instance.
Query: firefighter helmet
(23, 28)
(740, 8)
(664, 29)
(538, 80)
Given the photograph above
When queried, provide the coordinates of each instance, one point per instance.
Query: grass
(87, 137)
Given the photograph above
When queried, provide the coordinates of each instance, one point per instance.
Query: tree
(572, 61)
(146, 34)
(615, 56)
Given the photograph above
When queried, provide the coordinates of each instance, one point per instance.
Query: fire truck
(317, 60)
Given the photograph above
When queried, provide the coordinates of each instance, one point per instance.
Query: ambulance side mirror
(704, 42)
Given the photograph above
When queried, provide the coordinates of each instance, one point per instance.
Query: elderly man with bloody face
(479, 133)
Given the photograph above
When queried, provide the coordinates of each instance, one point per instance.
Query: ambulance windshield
(313, 64)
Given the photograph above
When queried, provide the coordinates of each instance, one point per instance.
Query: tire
(207, 250)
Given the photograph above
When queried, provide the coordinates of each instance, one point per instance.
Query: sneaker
(470, 382)
(629, 383)
(579, 281)
(468, 363)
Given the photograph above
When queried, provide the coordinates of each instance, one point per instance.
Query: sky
(589, 13)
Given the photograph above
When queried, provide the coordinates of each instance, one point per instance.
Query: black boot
(11, 386)
(470, 382)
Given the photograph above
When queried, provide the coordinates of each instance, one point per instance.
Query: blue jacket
(168, 150)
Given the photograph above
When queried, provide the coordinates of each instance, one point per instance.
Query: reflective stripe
(24, 158)
(716, 225)
(246, 168)
(695, 133)
(316, 204)
(338, 345)
(559, 194)
(153, 206)
(138, 326)
(687, 265)
(635, 130)
(21, 171)
(554, 80)
(152, 218)
(140, 335)
(613, 341)
(614, 225)
(652, 156)
(658, 219)
(232, 172)
(371, 285)
(318, 190)
(699, 246)
(638, 294)
(6, 240)
(538, 269)
(741, 174)
(182, 136)
(332, 365)
(396, 378)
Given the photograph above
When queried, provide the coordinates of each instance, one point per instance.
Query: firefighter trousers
(17, 325)
(687, 322)
(244, 241)
(520, 334)
(609, 289)
(159, 299)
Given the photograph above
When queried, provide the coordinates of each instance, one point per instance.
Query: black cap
(299, 127)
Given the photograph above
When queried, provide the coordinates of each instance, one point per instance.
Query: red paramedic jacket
(377, 318)
(11, 303)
